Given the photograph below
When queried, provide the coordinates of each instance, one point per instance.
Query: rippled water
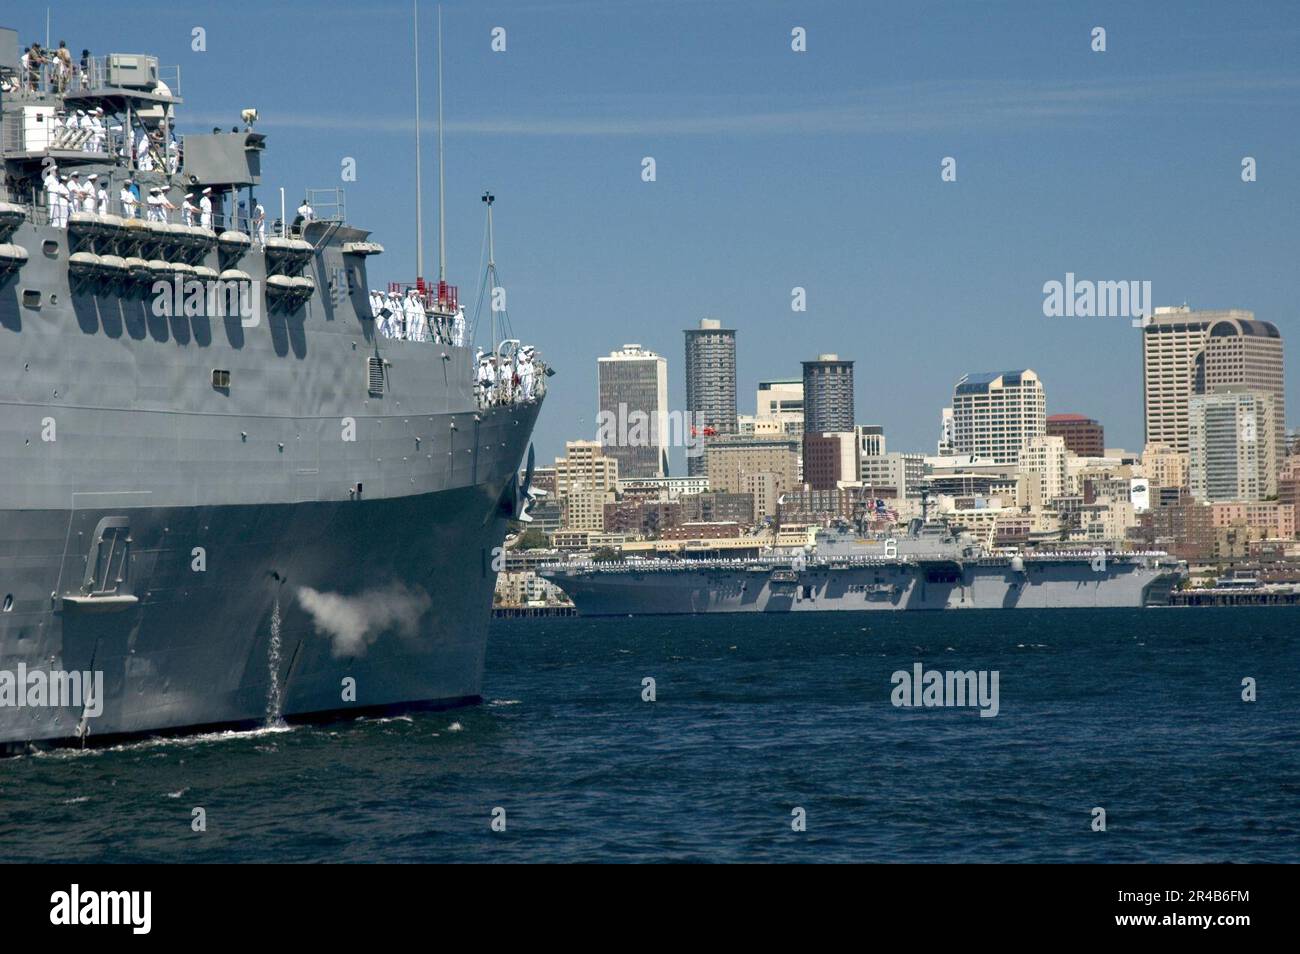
(1137, 712)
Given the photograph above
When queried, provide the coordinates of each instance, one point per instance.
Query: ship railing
(95, 76)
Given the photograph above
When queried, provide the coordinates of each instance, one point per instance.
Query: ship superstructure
(221, 486)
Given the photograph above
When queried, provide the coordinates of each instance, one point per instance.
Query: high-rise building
(903, 473)
(710, 384)
(1186, 352)
(781, 399)
(995, 415)
(728, 461)
(827, 395)
(1083, 436)
(1164, 466)
(585, 478)
(829, 459)
(633, 411)
(1043, 459)
(1231, 453)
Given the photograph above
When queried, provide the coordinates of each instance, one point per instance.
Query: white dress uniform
(259, 224)
(101, 199)
(75, 194)
(205, 211)
(458, 328)
(527, 376)
(65, 201)
(130, 204)
(143, 158)
(486, 381)
(88, 197)
(397, 320)
(417, 326)
(52, 197)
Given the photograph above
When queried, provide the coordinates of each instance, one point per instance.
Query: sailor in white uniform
(188, 209)
(130, 204)
(259, 224)
(52, 195)
(458, 328)
(95, 122)
(486, 381)
(205, 208)
(397, 317)
(101, 196)
(417, 325)
(90, 194)
(143, 157)
(527, 372)
(75, 193)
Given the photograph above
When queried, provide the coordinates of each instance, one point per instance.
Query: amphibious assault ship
(239, 502)
(927, 568)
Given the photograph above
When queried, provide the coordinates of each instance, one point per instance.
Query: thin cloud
(924, 107)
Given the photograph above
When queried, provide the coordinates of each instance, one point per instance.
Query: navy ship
(230, 493)
(926, 568)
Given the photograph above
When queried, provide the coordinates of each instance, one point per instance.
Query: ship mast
(488, 199)
(442, 196)
(419, 194)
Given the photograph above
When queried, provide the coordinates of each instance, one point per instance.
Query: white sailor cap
(81, 112)
(76, 175)
(207, 190)
(93, 175)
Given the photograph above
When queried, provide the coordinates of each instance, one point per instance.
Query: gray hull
(151, 523)
(989, 584)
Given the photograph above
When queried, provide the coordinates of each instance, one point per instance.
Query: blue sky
(778, 169)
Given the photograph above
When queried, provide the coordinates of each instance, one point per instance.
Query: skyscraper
(1186, 352)
(710, 384)
(633, 411)
(1232, 455)
(827, 395)
(1083, 436)
(995, 415)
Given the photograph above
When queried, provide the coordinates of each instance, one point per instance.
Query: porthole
(31, 298)
(50, 248)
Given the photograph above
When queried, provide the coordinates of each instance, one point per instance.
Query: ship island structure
(220, 486)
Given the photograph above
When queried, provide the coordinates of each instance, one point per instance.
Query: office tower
(730, 460)
(1164, 466)
(827, 395)
(901, 473)
(1083, 436)
(1232, 453)
(585, 478)
(633, 411)
(1186, 352)
(829, 459)
(1043, 458)
(995, 415)
(710, 384)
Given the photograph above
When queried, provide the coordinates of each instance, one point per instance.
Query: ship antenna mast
(442, 195)
(419, 194)
(489, 198)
